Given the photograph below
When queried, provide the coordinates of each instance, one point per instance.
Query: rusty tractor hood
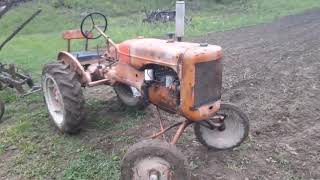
(143, 51)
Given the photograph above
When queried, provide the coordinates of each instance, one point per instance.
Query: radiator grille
(208, 81)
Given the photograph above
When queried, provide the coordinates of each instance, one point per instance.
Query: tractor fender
(75, 66)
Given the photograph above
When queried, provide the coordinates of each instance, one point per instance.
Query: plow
(10, 75)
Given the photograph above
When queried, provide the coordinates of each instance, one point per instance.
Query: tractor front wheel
(155, 160)
(130, 96)
(232, 133)
(1, 109)
(63, 96)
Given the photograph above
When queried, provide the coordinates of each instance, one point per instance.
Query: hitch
(10, 77)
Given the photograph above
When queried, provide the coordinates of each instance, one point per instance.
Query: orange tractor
(178, 77)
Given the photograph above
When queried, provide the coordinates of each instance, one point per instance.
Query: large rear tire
(63, 96)
(154, 159)
(2, 108)
(235, 131)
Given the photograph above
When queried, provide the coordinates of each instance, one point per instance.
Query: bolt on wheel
(152, 168)
(154, 160)
(229, 133)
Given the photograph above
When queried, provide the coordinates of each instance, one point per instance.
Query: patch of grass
(281, 161)
(117, 117)
(130, 119)
(240, 164)
(39, 152)
(102, 123)
(242, 155)
(93, 166)
(125, 139)
(2, 149)
(133, 116)
(115, 8)
(7, 96)
(18, 129)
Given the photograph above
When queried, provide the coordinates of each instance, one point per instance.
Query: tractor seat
(84, 56)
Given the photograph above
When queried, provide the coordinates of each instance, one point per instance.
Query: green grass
(41, 40)
(93, 166)
(32, 148)
(41, 152)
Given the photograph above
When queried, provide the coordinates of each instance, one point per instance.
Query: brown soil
(272, 72)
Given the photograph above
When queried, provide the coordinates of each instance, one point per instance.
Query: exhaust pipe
(180, 16)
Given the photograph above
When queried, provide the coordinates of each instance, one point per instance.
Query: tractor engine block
(164, 89)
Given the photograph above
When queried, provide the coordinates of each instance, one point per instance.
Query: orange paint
(74, 34)
(182, 57)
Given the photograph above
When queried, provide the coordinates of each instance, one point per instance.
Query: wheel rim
(152, 168)
(230, 136)
(54, 100)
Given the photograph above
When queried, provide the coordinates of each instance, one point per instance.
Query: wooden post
(69, 45)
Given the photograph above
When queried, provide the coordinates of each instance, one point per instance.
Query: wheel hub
(153, 168)
(154, 175)
(216, 122)
(224, 130)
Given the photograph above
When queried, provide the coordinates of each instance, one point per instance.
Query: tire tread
(71, 92)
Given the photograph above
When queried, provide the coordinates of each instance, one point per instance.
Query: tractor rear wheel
(154, 159)
(235, 130)
(1, 109)
(63, 96)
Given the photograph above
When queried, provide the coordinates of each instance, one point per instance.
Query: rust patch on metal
(76, 66)
(162, 97)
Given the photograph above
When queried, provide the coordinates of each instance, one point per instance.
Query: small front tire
(154, 159)
(128, 97)
(235, 131)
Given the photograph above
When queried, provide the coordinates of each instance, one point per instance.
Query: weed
(281, 161)
(2, 149)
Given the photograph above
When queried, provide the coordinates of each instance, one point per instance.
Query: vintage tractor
(178, 77)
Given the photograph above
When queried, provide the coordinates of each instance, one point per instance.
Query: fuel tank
(143, 51)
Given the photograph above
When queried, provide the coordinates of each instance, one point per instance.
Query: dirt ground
(272, 72)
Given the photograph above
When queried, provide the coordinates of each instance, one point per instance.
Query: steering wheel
(90, 24)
